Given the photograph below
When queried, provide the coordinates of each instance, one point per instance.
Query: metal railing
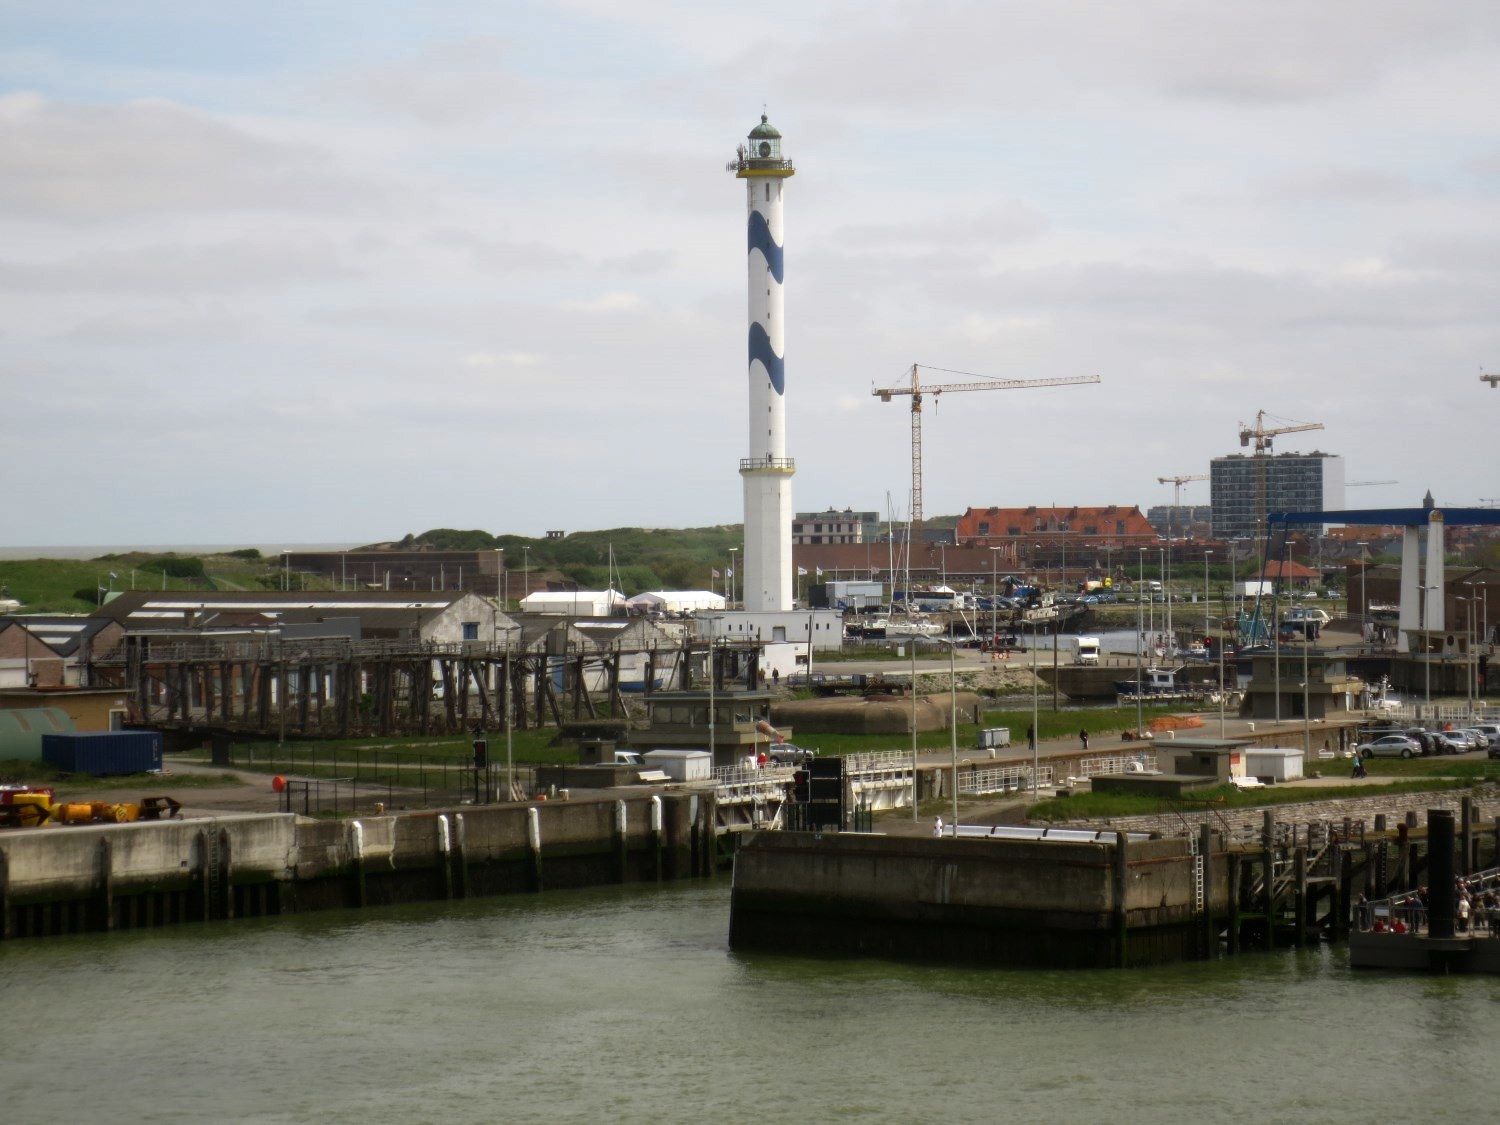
(1006, 779)
(1125, 763)
(389, 773)
(1458, 713)
(776, 464)
(741, 775)
(876, 760)
(1409, 908)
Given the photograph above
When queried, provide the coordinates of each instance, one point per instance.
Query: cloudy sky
(325, 271)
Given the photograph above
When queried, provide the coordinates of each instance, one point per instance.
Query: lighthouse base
(768, 581)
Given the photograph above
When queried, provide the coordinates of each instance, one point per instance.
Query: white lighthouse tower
(767, 472)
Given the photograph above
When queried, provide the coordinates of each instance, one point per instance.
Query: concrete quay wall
(1394, 806)
(105, 877)
(995, 901)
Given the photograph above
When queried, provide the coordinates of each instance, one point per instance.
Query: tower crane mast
(1261, 435)
(918, 391)
(1177, 483)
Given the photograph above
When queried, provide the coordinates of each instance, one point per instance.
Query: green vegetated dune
(74, 585)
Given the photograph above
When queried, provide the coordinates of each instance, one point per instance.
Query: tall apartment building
(1294, 482)
(833, 526)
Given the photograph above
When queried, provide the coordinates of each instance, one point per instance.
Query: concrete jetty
(1048, 903)
(121, 876)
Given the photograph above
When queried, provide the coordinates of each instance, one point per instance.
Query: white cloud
(72, 162)
(486, 360)
(507, 232)
(617, 301)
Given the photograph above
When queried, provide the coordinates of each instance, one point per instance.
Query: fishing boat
(913, 627)
(1155, 682)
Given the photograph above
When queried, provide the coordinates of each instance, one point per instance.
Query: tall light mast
(768, 584)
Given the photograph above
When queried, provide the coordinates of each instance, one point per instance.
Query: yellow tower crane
(917, 391)
(1261, 434)
(1177, 483)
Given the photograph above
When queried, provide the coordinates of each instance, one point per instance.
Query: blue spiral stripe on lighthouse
(760, 239)
(760, 349)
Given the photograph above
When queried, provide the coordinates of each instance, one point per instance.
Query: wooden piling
(1121, 888)
(1268, 874)
(461, 853)
(104, 895)
(656, 834)
(6, 925)
(1403, 856)
(1206, 856)
(534, 846)
(445, 852)
(1466, 836)
(1340, 927)
(1236, 878)
(621, 842)
(1299, 871)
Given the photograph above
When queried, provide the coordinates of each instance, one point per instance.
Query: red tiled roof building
(1025, 529)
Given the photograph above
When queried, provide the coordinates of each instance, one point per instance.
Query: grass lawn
(39, 773)
(431, 762)
(1477, 769)
(1050, 724)
(1088, 806)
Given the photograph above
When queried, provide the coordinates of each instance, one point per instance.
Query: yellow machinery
(24, 808)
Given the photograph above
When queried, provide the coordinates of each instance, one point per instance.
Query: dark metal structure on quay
(332, 687)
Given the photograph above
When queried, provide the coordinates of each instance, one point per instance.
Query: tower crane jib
(917, 391)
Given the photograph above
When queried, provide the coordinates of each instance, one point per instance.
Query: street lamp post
(1140, 639)
(713, 621)
(732, 551)
(912, 691)
(1223, 690)
(994, 596)
(1424, 590)
(1471, 681)
(953, 722)
(1306, 713)
(510, 753)
(1166, 586)
(1035, 732)
(525, 569)
(1205, 591)
(1364, 603)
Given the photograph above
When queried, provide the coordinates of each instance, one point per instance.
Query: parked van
(1088, 650)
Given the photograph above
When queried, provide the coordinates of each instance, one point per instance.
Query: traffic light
(801, 787)
(481, 753)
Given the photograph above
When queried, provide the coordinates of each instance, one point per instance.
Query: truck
(1250, 589)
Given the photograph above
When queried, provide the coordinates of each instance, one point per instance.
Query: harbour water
(625, 1004)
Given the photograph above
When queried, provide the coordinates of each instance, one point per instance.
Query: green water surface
(625, 1004)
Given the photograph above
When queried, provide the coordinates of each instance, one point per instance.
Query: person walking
(1030, 737)
(1083, 737)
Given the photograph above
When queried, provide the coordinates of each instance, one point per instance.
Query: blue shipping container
(103, 753)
